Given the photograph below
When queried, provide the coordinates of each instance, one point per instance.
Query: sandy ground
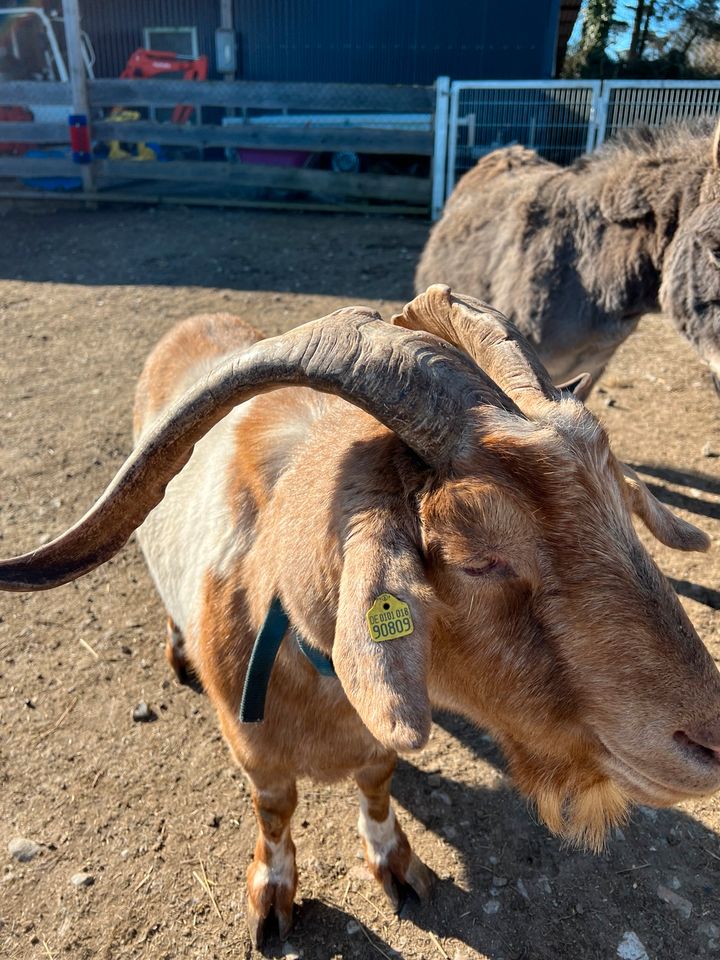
(147, 809)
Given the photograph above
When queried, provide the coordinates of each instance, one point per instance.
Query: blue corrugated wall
(396, 41)
(363, 41)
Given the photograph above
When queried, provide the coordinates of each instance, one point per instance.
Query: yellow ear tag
(389, 618)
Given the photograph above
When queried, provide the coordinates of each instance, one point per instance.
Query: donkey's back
(575, 255)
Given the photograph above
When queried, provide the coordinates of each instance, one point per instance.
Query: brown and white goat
(432, 460)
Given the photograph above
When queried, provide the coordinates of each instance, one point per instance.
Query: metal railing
(561, 119)
(556, 118)
(623, 103)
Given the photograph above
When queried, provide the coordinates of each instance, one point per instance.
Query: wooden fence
(399, 123)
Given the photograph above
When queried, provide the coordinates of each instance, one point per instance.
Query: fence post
(440, 128)
(595, 87)
(78, 79)
(601, 115)
(226, 23)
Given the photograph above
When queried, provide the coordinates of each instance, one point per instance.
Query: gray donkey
(575, 255)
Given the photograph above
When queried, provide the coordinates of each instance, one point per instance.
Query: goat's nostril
(700, 747)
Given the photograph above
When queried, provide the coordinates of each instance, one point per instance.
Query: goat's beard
(574, 797)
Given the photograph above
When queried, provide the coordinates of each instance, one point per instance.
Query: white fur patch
(280, 870)
(193, 529)
(380, 836)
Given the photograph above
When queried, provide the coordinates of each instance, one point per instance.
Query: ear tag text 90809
(389, 618)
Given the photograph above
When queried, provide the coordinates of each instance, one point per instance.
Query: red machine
(166, 63)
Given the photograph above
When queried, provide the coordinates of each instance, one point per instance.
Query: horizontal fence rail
(310, 119)
(27, 93)
(334, 97)
(271, 137)
(448, 127)
(370, 186)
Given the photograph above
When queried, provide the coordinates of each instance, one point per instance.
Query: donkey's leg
(387, 850)
(272, 876)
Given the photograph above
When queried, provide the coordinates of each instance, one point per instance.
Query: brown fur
(402, 867)
(270, 887)
(177, 359)
(537, 613)
(575, 255)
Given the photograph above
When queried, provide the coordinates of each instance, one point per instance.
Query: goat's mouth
(697, 752)
(684, 770)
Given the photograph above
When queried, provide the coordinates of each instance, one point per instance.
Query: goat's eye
(492, 565)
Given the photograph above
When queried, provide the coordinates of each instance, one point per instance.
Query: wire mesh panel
(655, 103)
(555, 118)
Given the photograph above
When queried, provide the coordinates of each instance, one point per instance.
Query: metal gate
(556, 118)
(561, 119)
(623, 103)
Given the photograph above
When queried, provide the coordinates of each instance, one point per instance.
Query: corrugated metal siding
(354, 41)
(395, 41)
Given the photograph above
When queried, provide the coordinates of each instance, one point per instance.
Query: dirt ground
(153, 810)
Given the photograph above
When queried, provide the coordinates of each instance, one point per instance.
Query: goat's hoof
(260, 924)
(266, 900)
(403, 884)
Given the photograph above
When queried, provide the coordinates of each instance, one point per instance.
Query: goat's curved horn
(496, 345)
(413, 383)
(715, 159)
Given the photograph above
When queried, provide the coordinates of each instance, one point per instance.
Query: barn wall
(361, 41)
(396, 41)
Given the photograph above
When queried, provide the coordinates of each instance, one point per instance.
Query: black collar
(262, 659)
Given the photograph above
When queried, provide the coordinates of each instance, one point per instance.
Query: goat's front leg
(387, 849)
(272, 876)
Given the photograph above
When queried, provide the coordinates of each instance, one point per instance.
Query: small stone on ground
(143, 713)
(82, 880)
(631, 947)
(674, 900)
(23, 850)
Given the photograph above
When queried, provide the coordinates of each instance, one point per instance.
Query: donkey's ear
(385, 679)
(579, 387)
(661, 522)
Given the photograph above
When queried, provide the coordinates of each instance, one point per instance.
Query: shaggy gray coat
(575, 255)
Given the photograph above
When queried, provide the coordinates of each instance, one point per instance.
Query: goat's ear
(385, 681)
(661, 522)
(579, 386)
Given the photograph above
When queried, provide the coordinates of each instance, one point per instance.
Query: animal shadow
(696, 591)
(509, 889)
(323, 931)
(673, 498)
(682, 478)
